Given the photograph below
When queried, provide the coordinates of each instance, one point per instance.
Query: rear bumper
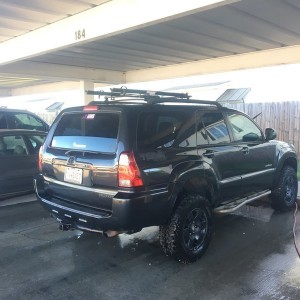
(129, 211)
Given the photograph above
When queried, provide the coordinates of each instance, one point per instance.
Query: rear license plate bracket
(73, 175)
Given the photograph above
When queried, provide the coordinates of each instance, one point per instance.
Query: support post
(84, 86)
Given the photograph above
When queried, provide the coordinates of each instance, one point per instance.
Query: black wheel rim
(195, 229)
(290, 189)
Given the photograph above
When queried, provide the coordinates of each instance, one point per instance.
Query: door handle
(209, 153)
(245, 150)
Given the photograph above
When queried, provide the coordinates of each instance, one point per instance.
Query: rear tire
(187, 234)
(284, 195)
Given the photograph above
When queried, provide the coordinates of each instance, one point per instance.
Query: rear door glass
(13, 145)
(87, 132)
(166, 129)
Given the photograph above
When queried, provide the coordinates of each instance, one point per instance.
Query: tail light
(128, 172)
(91, 107)
(40, 161)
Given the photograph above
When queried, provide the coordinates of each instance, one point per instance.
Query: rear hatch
(80, 161)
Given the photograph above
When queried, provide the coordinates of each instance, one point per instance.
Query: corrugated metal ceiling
(18, 17)
(246, 26)
(21, 16)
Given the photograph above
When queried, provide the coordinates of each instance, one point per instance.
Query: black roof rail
(151, 97)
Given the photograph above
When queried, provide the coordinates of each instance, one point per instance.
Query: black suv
(122, 164)
(21, 119)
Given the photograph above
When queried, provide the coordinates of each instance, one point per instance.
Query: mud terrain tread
(170, 234)
(278, 194)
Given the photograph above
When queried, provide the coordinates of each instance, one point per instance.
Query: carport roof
(132, 41)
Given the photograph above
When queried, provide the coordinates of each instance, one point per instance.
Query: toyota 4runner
(140, 158)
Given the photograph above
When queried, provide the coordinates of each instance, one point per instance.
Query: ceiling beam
(46, 88)
(53, 72)
(108, 19)
(258, 59)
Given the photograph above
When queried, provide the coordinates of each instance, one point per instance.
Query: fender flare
(191, 181)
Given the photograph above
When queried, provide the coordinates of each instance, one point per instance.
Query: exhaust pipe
(109, 233)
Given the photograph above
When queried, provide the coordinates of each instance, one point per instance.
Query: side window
(27, 121)
(211, 128)
(13, 145)
(166, 129)
(244, 130)
(3, 123)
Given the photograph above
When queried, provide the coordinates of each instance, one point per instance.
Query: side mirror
(270, 134)
(250, 137)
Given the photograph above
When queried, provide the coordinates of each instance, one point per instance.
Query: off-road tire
(187, 234)
(284, 196)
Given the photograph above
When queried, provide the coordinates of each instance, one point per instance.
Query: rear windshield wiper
(83, 152)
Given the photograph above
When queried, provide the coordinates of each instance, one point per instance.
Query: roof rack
(150, 97)
(140, 94)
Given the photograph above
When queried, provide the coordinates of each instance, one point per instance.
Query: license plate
(73, 175)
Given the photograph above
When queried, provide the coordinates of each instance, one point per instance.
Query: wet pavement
(251, 256)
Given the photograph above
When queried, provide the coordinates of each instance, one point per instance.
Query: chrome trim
(258, 173)
(231, 179)
(102, 191)
(245, 176)
(158, 193)
(81, 187)
(71, 209)
(149, 191)
(150, 194)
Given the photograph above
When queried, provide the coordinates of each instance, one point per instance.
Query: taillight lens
(40, 161)
(128, 171)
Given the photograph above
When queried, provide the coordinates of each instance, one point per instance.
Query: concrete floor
(251, 256)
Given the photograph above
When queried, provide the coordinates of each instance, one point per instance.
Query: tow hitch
(64, 227)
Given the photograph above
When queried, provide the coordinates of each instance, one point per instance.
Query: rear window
(88, 132)
(27, 121)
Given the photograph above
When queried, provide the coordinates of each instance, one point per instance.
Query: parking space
(252, 256)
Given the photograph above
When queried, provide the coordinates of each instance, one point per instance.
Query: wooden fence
(284, 117)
